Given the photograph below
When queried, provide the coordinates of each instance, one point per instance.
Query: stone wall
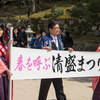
(75, 26)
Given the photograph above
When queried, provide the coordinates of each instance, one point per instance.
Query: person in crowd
(33, 41)
(7, 33)
(23, 37)
(5, 73)
(16, 37)
(67, 40)
(52, 42)
(96, 85)
(42, 34)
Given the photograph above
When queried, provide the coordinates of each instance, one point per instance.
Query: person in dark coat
(16, 37)
(23, 37)
(67, 40)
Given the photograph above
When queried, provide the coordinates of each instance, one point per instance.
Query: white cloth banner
(36, 64)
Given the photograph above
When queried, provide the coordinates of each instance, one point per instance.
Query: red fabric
(3, 50)
(2, 67)
(95, 80)
(5, 36)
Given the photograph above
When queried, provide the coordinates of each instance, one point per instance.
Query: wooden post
(10, 82)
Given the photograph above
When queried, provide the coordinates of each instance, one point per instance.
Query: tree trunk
(33, 6)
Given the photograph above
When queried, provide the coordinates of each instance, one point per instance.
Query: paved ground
(74, 88)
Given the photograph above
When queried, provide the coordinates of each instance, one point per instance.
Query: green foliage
(54, 13)
(94, 6)
(3, 0)
(91, 10)
(79, 11)
(47, 15)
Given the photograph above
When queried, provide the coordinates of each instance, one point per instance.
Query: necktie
(56, 42)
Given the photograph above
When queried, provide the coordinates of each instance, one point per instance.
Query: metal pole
(10, 82)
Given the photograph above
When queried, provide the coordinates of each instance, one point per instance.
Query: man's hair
(52, 23)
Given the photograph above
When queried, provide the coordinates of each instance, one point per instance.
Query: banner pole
(10, 81)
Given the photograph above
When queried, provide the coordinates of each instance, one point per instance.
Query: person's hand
(8, 73)
(22, 43)
(11, 41)
(15, 42)
(47, 48)
(70, 49)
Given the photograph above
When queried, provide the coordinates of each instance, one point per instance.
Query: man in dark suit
(52, 42)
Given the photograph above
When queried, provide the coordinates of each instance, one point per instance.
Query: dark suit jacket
(48, 41)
